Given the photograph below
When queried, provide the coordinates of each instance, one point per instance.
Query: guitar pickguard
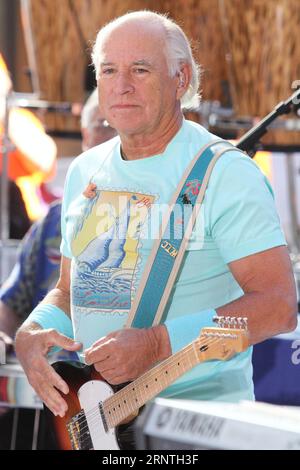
(90, 395)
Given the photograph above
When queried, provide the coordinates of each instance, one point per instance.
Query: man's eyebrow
(142, 62)
(136, 62)
(103, 64)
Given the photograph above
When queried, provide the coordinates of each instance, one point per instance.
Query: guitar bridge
(79, 432)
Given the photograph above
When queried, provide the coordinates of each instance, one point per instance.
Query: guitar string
(94, 412)
(140, 381)
(93, 420)
(115, 398)
(94, 416)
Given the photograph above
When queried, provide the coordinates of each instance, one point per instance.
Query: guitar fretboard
(132, 397)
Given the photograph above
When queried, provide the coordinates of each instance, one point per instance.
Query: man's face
(136, 92)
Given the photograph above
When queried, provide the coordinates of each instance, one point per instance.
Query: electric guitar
(98, 413)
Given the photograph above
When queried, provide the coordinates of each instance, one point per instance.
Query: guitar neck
(131, 398)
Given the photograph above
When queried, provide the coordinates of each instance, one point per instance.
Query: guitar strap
(176, 228)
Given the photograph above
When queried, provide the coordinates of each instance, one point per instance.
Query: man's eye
(107, 71)
(141, 71)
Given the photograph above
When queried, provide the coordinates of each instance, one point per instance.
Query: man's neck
(142, 146)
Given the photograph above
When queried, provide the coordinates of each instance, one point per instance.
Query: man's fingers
(100, 350)
(33, 347)
(113, 378)
(42, 371)
(47, 383)
(96, 354)
(54, 379)
(52, 399)
(57, 339)
(103, 368)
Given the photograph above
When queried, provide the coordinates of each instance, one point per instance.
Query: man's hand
(124, 355)
(32, 346)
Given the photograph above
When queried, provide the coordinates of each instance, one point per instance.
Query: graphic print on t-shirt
(105, 246)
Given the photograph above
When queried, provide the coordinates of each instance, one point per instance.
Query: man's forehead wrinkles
(143, 62)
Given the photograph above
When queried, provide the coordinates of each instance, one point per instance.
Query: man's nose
(123, 84)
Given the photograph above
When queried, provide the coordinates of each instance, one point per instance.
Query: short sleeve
(242, 215)
(64, 246)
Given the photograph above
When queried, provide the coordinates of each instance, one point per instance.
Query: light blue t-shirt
(109, 238)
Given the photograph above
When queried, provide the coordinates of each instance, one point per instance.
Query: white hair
(89, 108)
(177, 49)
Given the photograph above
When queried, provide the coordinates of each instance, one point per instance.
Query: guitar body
(101, 417)
(86, 389)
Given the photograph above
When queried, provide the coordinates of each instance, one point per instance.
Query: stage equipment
(250, 140)
(199, 425)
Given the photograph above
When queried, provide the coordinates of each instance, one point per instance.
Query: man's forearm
(160, 340)
(268, 314)
(52, 313)
(59, 298)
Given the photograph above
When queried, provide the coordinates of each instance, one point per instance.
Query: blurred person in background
(37, 268)
(19, 221)
(18, 218)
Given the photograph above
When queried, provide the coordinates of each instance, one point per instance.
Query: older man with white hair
(236, 263)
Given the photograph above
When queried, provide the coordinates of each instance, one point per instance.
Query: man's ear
(183, 80)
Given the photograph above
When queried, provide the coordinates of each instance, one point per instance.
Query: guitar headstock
(224, 341)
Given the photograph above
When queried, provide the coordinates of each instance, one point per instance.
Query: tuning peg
(231, 322)
(219, 320)
(243, 323)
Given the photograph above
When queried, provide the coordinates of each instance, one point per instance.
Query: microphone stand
(250, 141)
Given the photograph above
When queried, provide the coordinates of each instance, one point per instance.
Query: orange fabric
(5, 81)
(34, 150)
(32, 160)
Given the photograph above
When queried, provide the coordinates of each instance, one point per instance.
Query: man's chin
(130, 131)
(128, 125)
